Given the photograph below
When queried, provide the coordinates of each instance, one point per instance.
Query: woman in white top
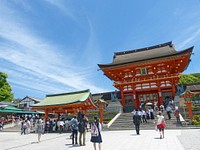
(161, 124)
(40, 129)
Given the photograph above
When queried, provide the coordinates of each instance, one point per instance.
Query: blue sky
(54, 46)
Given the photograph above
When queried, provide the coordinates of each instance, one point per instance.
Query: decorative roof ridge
(33, 98)
(83, 91)
(177, 53)
(144, 49)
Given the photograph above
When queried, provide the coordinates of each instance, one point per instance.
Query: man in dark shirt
(136, 121)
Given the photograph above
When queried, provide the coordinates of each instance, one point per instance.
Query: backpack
(24, 125)
(81, 127)
(94, 129)
(74, 124)
(136, 119)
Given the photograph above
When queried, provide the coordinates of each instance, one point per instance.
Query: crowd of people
(79, 128)
(77, 125)
(142, 115)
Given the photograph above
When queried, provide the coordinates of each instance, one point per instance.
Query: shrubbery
(107, 120)
(195, 107)
(196, 120)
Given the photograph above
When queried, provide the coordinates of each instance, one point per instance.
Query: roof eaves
(124, 63)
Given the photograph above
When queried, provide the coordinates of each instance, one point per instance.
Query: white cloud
(190, 36)
(64, 7)
(47, 69)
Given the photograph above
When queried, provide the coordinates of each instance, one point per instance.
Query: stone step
(125, 122)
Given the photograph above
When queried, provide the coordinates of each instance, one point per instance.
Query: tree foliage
(189, 78)
(5, 89)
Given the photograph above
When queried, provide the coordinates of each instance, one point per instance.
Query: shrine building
(147, 75)
(66, 103)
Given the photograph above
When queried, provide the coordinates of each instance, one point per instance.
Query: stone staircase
(125, 122)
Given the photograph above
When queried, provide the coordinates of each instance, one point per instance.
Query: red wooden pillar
(190, 109)
(173, 88)
(46, 115)
(101, 115)
(160, 102)
(122, 97)
(58, 116)
(85, 111)
(188, 101)
(135, 100)
(74, 111)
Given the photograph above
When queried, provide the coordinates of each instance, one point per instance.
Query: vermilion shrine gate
(148, 74)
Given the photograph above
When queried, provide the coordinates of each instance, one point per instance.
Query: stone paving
(112, 140)
(190, 139)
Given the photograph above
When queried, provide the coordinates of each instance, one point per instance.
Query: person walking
(61, 126)
(144, 116)
(177, 115)
(96, 133)
(169, 111)
(23, 127)
(74, 126)
(136, 121)
(82, 130)
(40, 129)
(161, 124)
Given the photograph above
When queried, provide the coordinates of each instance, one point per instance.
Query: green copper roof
(64, 98)
(9, 107)
(101, 100)
(12, 109)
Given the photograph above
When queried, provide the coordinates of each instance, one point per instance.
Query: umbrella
(149, 103)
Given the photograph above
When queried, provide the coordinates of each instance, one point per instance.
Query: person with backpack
(74, 127)
(23, 127)
(96, 133)
(136, 121)
(82, 130)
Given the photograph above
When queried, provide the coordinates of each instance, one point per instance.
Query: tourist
(74, 127)
(61, 126)
(28, 126)
(40, 129)
(87, 123)
(1, 124)
(79, 114)
(162, 108)
(169, 111)
(144, 116)
(47, 126)
(23, 127)
(96, 133)
(177, 115)
(82, 130)
(151, 114)
(160, 124)
(136, 121)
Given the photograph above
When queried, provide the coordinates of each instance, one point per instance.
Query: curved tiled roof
(148, 53)
(65, 98)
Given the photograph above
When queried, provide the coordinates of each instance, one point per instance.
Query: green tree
(189, 78)
(5, 89)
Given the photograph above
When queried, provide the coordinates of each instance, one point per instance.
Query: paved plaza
(112, 140)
